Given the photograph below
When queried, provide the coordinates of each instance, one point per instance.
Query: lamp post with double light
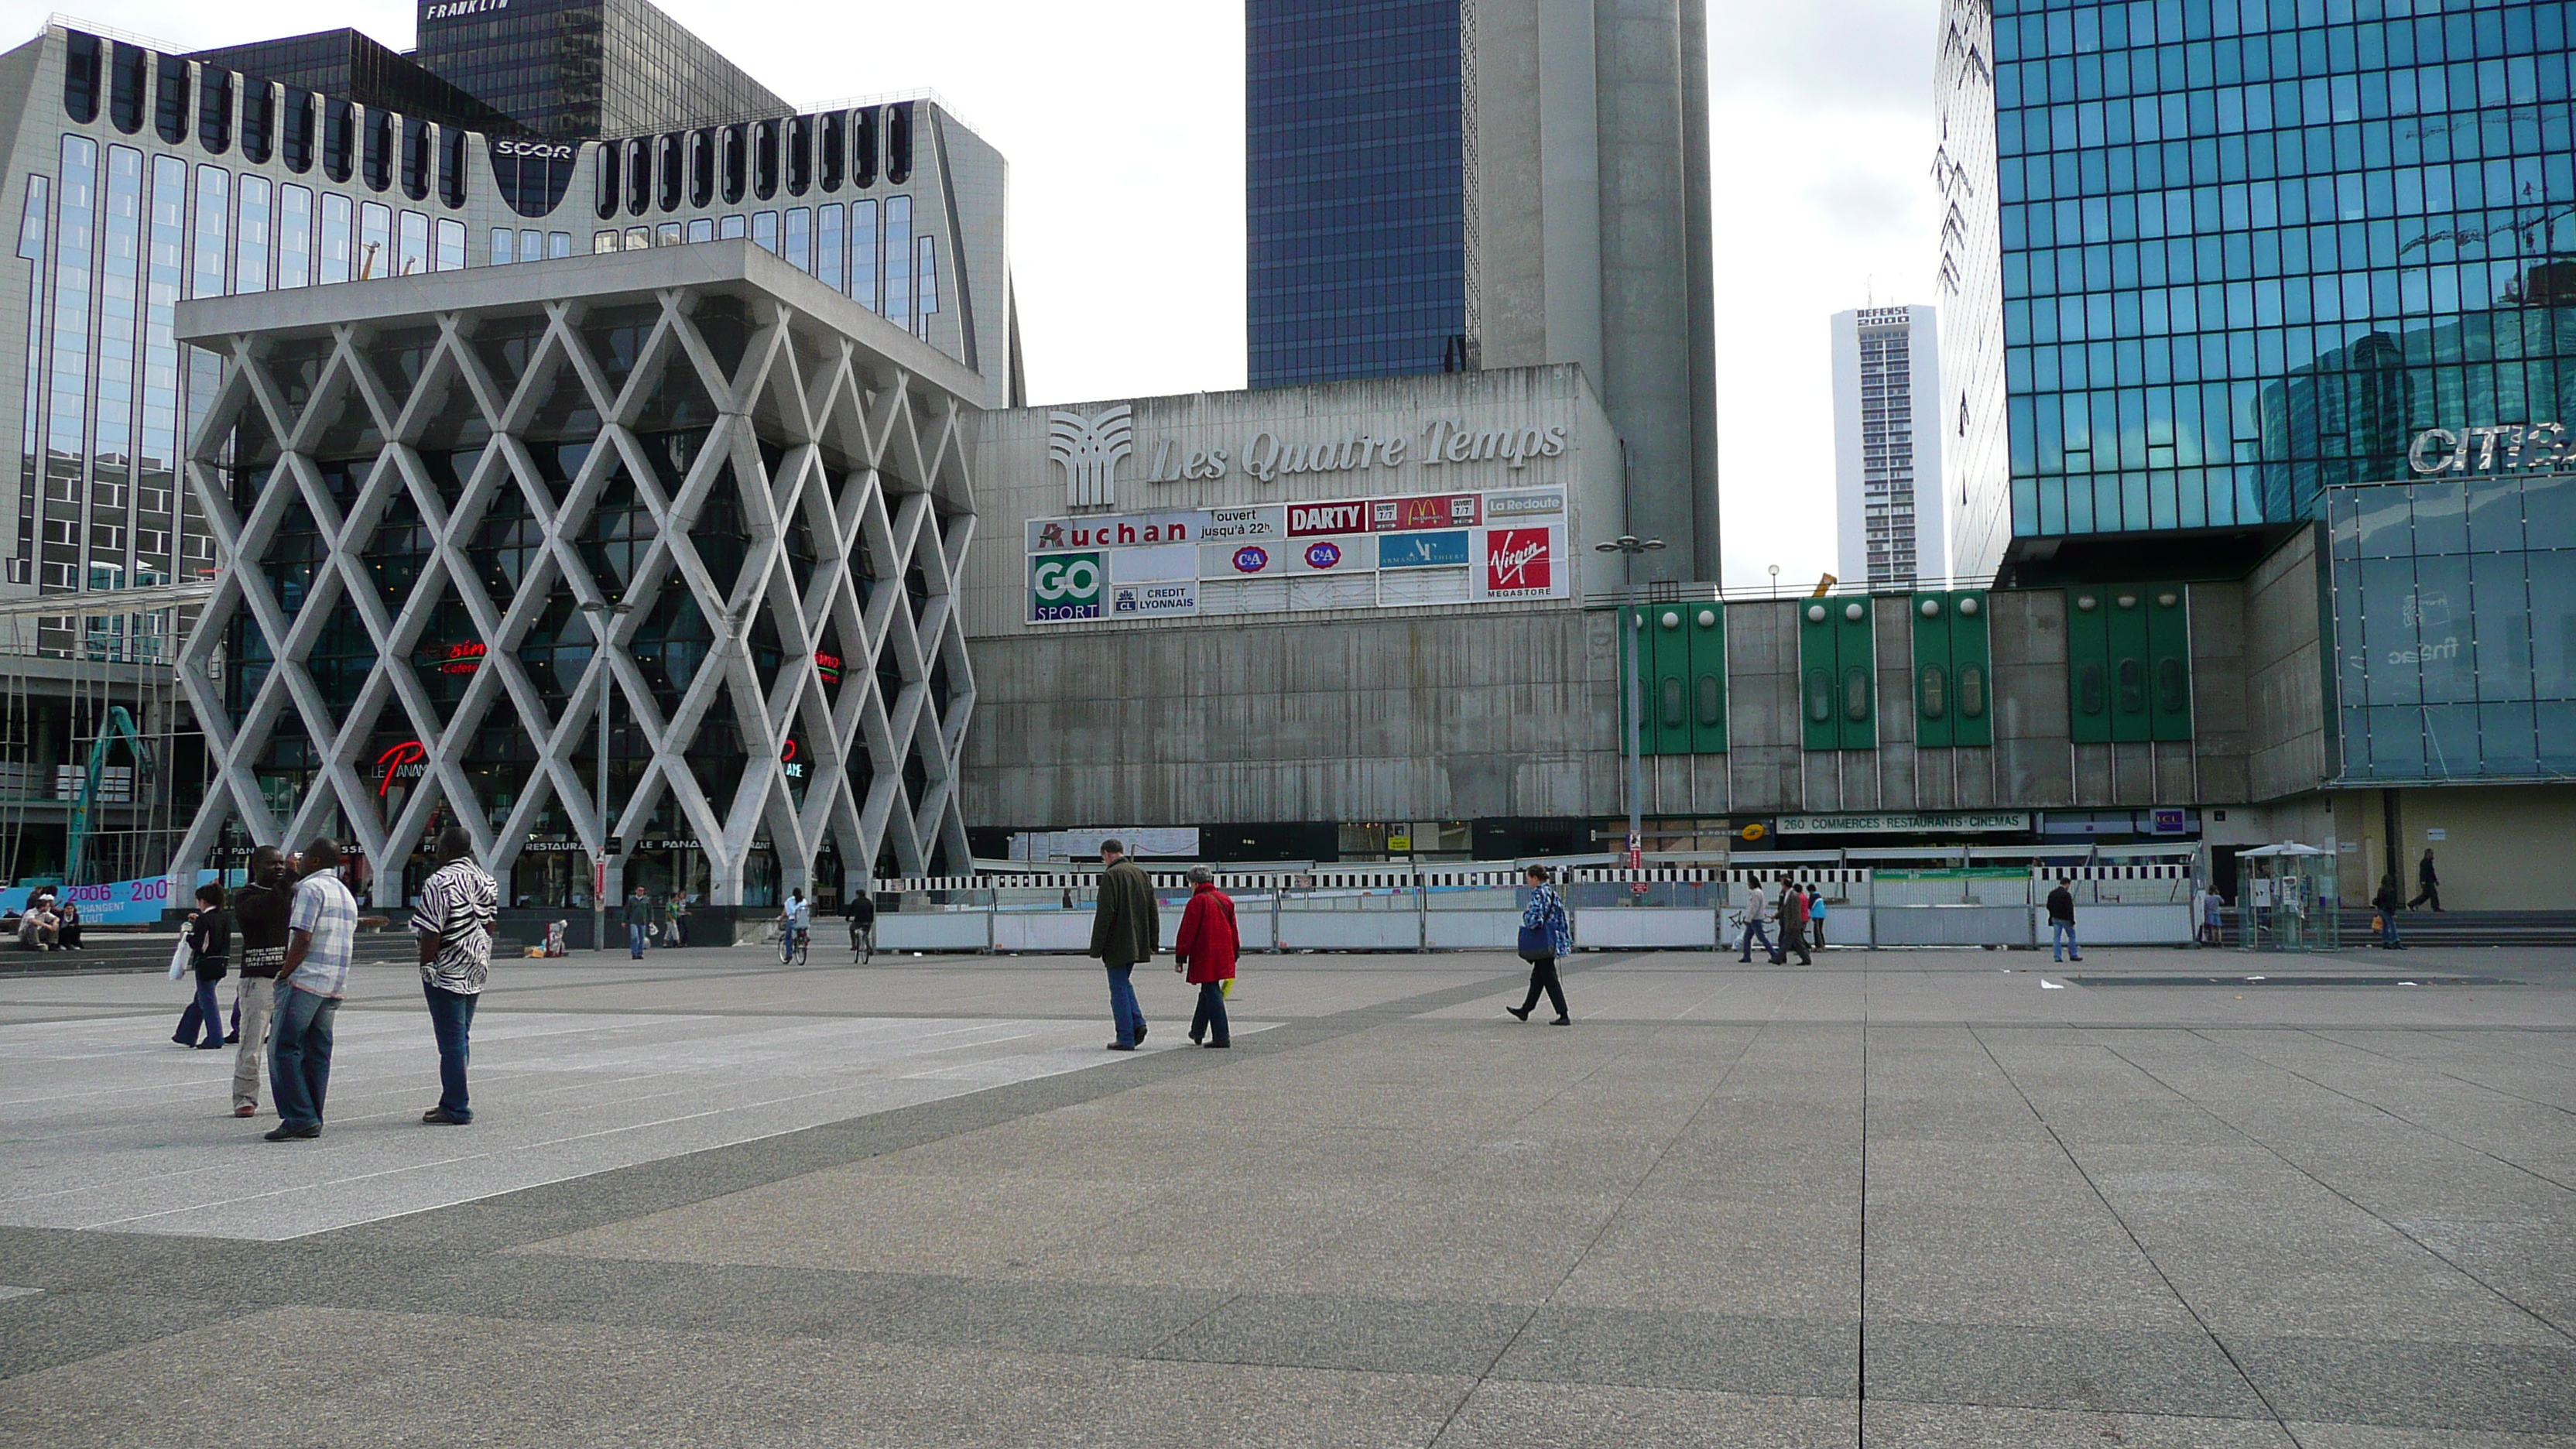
(1634, 658)
(602, 615)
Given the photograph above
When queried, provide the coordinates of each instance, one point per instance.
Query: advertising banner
(1385, 553)
(1245, 523)
(1426, 510)
(1064, 586)
(1423, 550)
(112, 903)
(1134, 530)
(1305, 520)
(1148, 600)
(1521, 563)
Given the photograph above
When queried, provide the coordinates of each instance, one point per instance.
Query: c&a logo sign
(1064, 586)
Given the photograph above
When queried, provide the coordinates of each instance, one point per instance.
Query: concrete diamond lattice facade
(424, 487)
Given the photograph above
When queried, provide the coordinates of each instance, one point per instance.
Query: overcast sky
(1123, 122)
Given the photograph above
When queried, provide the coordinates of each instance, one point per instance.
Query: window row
(803, 153)
(298, 128)
(865, 251)
(2316, 92)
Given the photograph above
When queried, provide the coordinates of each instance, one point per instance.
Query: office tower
(2202, 259)
(1458, 184)
(138, 177)
(1887, 448)
(582, 69)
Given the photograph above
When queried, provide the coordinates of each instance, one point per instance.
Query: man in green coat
(1124, 931)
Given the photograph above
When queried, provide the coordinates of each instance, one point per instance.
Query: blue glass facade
(2455, 629)
(1354, 183)
(2249, 247)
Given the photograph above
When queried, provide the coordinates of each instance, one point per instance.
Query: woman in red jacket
(1205, 950)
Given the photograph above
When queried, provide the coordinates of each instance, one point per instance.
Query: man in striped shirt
(458, 906)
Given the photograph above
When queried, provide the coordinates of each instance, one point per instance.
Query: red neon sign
(406, 761)
(828, 666)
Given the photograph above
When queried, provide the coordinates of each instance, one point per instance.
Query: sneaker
(245, 1111)
(291, 1134)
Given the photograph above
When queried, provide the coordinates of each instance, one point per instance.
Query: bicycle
(795, 946)
(863, 944)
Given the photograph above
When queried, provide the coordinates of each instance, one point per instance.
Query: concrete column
(1645, 296)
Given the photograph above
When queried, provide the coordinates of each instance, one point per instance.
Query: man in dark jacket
(2061, 923)
(2430, 885)
(259, 913)
(1793, 925)
(1124, 931)
(2387, 902)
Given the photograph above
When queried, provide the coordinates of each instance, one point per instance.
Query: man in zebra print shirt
(458, 906)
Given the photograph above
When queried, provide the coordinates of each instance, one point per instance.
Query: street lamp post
(601, 614)
(1632, 546)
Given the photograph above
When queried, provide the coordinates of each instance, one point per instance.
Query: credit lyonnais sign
(1361, 553)
(1964, 822)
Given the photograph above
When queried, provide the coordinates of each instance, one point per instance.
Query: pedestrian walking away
(1546, 937)
(210, 945)
(321, 932)
(2388, 902)
(1204, 953)
(260, 911)
(1125, 929)
(1816, 915)
(1793, 926)
(1755, 909)
(2428, 884)
(458, 905)
(2062, 944)
(2204, 916)
(675, 919)
(639, 916)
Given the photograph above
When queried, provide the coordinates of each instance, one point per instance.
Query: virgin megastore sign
(1362, 553)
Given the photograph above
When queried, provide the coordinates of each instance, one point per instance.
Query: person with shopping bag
(208, 946)
(1546, 936)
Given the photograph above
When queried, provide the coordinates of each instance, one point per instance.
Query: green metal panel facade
(1684, 648)
(1953, 673)
(1837, 674)
(2128, 663)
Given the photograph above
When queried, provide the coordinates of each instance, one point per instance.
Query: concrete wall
(2291, 734)
(1418, 717)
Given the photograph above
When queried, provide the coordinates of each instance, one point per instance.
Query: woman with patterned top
(1545, 914)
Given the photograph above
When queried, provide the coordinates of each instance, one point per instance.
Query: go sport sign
(1064, 586)
(1361, 553)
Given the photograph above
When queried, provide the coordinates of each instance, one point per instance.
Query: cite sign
(2537, 446)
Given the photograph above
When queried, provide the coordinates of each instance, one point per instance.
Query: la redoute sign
(1089, 447)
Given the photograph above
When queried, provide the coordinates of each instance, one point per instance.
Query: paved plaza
(1937, 1198)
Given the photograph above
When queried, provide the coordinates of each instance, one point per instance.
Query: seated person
(67, 926)
(37, 930)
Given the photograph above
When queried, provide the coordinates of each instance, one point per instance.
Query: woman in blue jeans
(210, 942)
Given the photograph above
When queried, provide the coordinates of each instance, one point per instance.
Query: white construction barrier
(938, 931)
(2106, 925)
(1645, 928)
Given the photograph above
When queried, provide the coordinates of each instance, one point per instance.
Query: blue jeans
(1123, 1010)
(299, 1055)
(1756, 931)
(451, 1016)
(635, 941)
(2387, 928)
(1210, 1018)
(2061, 941)
(202, 1012)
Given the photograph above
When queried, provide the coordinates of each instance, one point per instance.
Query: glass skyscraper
(2204, 258)
(1354, 174)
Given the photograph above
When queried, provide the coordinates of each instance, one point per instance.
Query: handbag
(181, 958)
(1537, 944)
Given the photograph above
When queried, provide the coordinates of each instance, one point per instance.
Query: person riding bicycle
(793, 921)
(861, 911)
